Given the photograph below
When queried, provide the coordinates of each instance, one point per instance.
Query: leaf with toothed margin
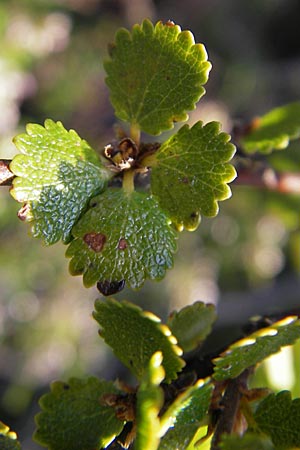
(192, 324)
(56, 175)
(74, 417)
(190, 172)
(122, 237)
(274, 130)
(185, 416)
(155, 75)
(256, 347)
(8, 439)
(278, 416)
(149, 402)
(135, 335)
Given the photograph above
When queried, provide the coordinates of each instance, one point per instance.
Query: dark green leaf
(274, 130)
(135, 335)
(8, 439)
(74, 418)
(122, 237)
(156, 74)
(256, 347)
(190, 173)
(149, 403)
(57, 174)
(279, 417)
(185, 416)
(192, 324)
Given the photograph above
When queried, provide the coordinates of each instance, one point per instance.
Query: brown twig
(6, 176)
(229, 412)
(267, 178)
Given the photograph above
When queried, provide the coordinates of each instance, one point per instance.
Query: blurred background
(246, 261)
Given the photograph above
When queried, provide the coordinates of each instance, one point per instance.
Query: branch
(267, 178)
(6, 176)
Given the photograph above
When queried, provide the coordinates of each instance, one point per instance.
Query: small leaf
(192, 324)
(135, 335)
(256, 347)
(122, 237)
(248, 441)
(8, 439)
(190, 173)
(185, 416)
(156, 74)
(279, 417)
(73, 417)
(57, 174)
(149, 403)
(274, 130)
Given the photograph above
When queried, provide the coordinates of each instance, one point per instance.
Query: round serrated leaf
(135, 335)
(57, 174)
(74, 418)
(190, 173)
(8, 439)
(192, 324)
(274, 130)
(122, 237)
(256, 347)
(149, 402)
(156, 74)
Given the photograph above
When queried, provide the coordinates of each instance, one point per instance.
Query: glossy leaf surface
(190, 173)
(256, 347)
(185, 416)
(155, 75)
(135, 335)
(57, 173)
(122, 237)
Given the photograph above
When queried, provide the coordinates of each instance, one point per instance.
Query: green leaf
(135, 335)
(279, 417)
(185, 416)
(190, 173)
(57, 174)
(274, 130)
(256, 347)
(192, 324)
(156, 74)
(8, 439)
(73, 417)
(149, 403)
(122, 236)
(248, 441)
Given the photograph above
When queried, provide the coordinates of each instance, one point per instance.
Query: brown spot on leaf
(185, 180)
(170, 23)
(95, 241)
(194, 215)
(122, 244)
(23, 212)
(107, 287)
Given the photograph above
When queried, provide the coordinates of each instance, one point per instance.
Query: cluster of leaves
(170, 404)
(116, 235)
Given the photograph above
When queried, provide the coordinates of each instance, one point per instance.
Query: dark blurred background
(246, 260)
